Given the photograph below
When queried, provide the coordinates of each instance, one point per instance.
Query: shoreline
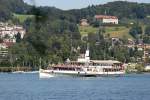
(14, 69)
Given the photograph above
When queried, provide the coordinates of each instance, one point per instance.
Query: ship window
(89, 69)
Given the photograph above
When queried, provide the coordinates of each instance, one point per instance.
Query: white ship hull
(45, 74)
(53, 73)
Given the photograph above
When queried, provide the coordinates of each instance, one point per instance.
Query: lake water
(30, 87)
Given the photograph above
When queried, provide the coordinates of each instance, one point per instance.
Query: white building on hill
(107, 19)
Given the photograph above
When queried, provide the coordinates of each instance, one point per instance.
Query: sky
(74, 4)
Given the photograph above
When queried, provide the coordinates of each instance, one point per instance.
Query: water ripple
(30, 87)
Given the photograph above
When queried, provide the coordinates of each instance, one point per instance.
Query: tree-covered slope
(121, 9)
(8, 7)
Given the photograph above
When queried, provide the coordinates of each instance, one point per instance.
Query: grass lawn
(148, 16)
(87, 30)
(113, 31)
(120, 32)
(21, 17)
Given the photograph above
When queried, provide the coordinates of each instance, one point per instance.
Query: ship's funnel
(87, 54)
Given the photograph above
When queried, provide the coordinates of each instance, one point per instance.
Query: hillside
(127, 12)
(8, 7)
(124, 9)
(121, 9)
(54, 35)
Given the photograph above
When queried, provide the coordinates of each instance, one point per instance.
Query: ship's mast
(40, 61)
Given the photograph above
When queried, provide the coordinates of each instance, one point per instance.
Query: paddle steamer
(84, 67)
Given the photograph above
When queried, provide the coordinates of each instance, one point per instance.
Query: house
(115, 41)
(8, 32)
(3, 46)
(4, 49)
(84, 22)
(8, 35)
(107, 19)
(131, 42)
(147, 67)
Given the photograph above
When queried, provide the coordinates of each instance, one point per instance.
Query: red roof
(8, 44)
(105, 17)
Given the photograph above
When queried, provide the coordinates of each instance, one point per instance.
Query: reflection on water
(30, 87)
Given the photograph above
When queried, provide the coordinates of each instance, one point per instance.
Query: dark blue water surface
(30, 87)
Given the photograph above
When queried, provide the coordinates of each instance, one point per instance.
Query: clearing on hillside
(22, 17)
(112, 31)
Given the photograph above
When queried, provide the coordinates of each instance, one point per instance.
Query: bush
(139, 67)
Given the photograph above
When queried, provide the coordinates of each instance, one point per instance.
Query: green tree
(135, 31)
(18, 37)
(139, 67)
(147, 30)
(146, 39)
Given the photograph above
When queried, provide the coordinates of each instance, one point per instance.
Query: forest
(53, 34)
